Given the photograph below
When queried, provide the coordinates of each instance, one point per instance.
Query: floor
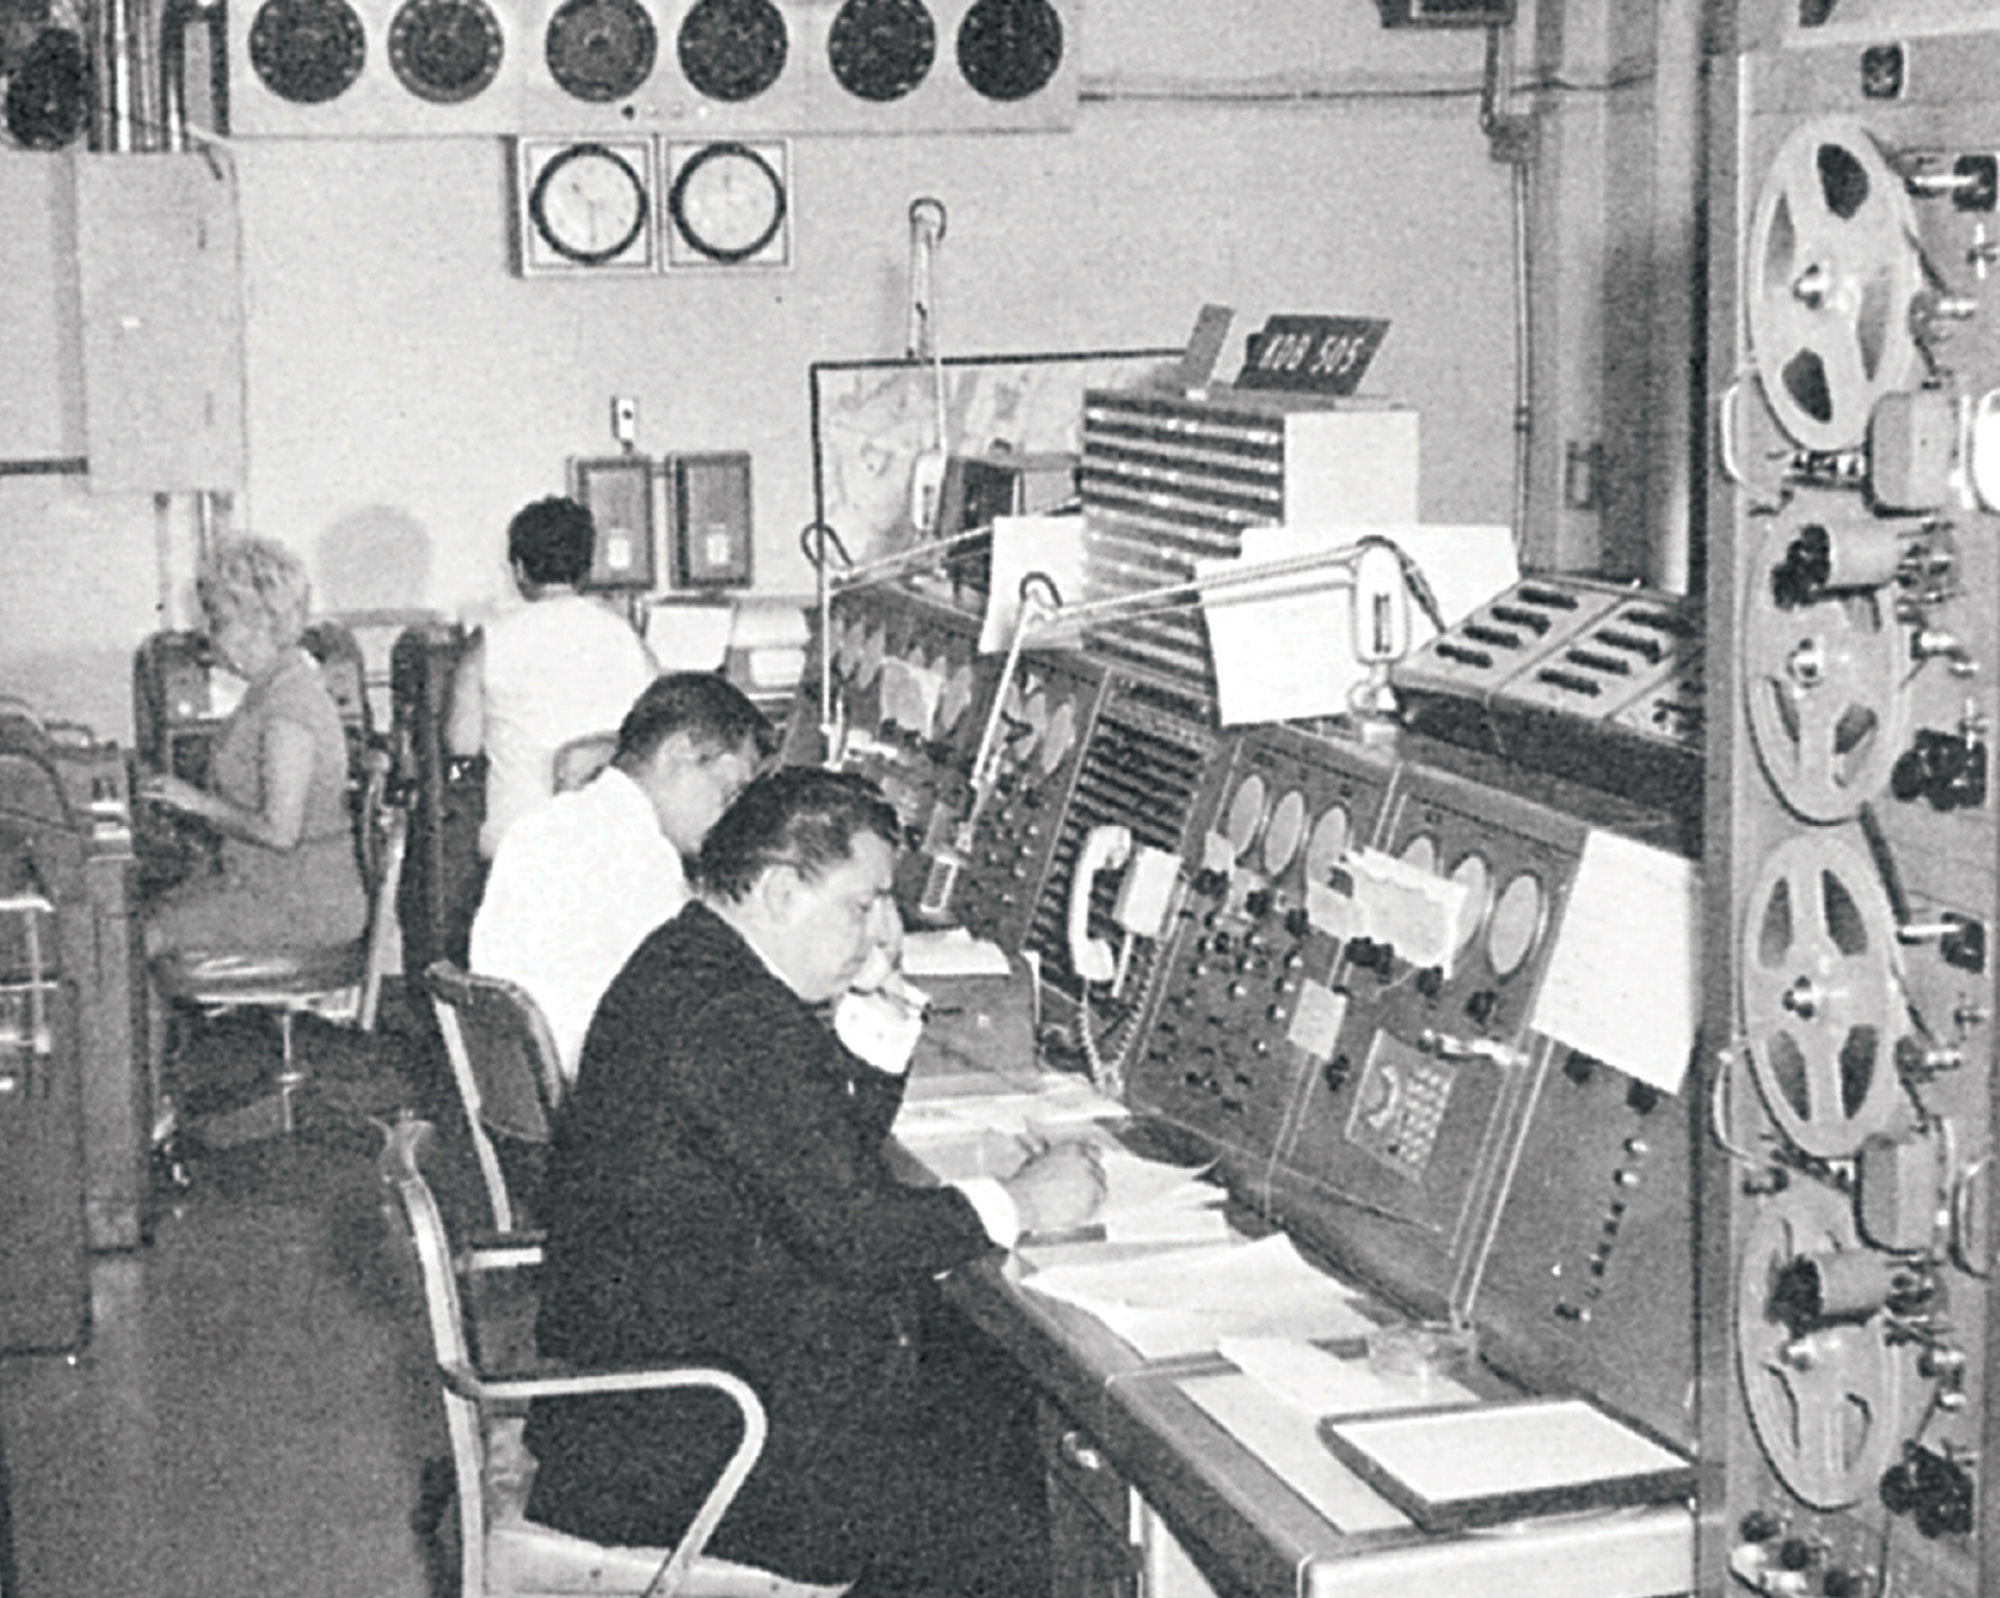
(251, 1414)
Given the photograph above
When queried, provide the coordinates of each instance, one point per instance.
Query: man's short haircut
(801, 816)
(553, 540)
(711, 710)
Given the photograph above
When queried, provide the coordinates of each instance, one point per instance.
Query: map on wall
(882, 429)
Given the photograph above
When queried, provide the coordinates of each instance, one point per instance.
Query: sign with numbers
(1312, 354)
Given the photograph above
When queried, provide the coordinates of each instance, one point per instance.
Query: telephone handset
(1105, 848)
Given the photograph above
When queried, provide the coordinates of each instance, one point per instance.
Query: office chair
(339, 982)
(577, 761)
(509, 1079)
(502, 1554)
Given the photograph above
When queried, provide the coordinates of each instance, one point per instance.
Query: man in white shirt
(561, 667)
(577, 885)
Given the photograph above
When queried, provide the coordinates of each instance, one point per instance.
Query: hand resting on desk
(1058, 1189)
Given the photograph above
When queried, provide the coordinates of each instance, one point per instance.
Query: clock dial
(728, 201)
(446, 51)
(589, 204)
(881, 49)
(733, 49)
(1009, 49)
(307, 51)
(600, 50)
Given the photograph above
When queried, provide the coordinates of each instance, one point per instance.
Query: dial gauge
(1421, 852)
(307, 51)
(600, 50)
(1246, 814)
(588, 204)
(1476, 878)
(446, 51)
(956, 698)
(1328, 845)
(729, 203)
(1281, 837)
(1061, 736)
(881, 49)
(733, 50)
(1516, 924)
(1009, 49)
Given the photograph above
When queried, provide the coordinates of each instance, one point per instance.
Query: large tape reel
(1823, 684)
(1816, 971)
(1831, 277)
(1824, 1390)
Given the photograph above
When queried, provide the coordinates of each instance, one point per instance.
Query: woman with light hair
(287, 876)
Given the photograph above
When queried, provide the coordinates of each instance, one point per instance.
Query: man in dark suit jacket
(718, 1193)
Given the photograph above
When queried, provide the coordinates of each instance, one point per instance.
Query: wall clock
(585, 205)
(729, 203)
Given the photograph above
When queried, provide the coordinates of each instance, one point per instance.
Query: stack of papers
(1177, 1302)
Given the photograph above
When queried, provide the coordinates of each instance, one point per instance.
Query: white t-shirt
(575, 888)
(556, 669)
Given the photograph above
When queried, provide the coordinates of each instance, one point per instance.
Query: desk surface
(1251, 1529)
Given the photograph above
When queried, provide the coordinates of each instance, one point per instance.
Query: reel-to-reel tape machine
(1853, 639)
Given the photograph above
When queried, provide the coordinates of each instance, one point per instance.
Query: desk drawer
(1078, 1466)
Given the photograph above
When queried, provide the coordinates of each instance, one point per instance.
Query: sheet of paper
(952, 952)
(1422, 914)
(1508, 1448)
(1285, 649)
(689, 637)
(1318, 1383)
(1051, 545)
(1184, 1301)
(1287, 1440)
(1622, 978)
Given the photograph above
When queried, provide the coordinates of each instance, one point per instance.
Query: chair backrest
(577, 761)
(444, 1312)
(504, 1062)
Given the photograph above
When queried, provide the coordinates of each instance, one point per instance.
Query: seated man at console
(559, 668)
(719, 1192)
(577, 884)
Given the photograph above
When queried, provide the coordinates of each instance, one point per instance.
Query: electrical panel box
(618, 492)
(708, 519)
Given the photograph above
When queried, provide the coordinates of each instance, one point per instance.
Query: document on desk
(952, 952)
(1185, 1301)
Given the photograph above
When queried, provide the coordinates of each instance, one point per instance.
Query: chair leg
(291, 1076)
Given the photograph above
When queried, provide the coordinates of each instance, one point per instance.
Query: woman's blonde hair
(259, 581)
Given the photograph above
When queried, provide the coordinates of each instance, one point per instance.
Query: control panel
(1248, 1005)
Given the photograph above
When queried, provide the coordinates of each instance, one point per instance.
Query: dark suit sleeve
(799, 1125)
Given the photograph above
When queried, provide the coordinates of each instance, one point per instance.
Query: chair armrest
(468, 1383)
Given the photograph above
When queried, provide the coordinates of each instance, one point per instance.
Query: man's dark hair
(711, 710)
(552, 539)
(801, 816)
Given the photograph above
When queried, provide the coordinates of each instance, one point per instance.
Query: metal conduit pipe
(175, 21)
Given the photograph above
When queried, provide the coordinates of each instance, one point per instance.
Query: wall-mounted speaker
(435, 68)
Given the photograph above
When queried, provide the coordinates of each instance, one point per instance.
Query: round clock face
(601, 49)
(733, 49)
(589, 204)
(728, 201)
(307, 51)
(1009, 49)
(881, 49)
(446, 51)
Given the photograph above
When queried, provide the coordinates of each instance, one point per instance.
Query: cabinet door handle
(1080, 1453)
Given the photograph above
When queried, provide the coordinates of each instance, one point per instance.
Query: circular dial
(1516, 924)
(307, 51)
(1009, 49)
(1246, 814)
(1328, 845)
(728, 201)
(1060, 737)
(1288, 826)
(600, 49)
(881, 49)
(733, 49)
(1421, 852)
(1031, 717)
(445, 51)
(1476, 877)
(589, 203)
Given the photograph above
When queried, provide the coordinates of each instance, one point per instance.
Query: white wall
(406, 391)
